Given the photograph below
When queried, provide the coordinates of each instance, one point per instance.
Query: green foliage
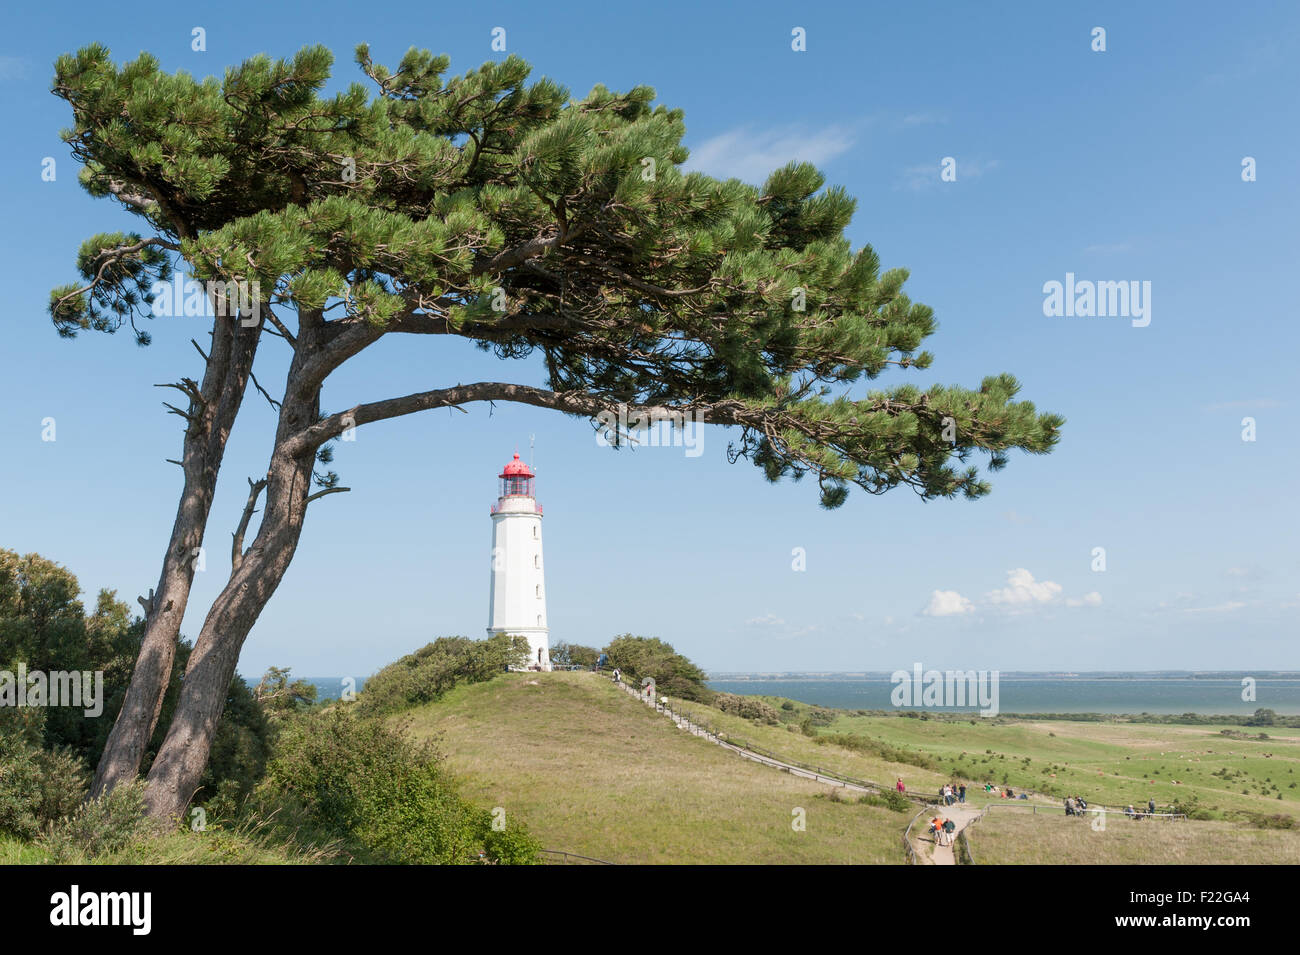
(412, 201)
(574, 654)
(1260, 820)
(100, 826)
(44, 625)
(674, 675)
(278, 695)
(37, 786)
(428, 673)
(342, 774)
(747, 707)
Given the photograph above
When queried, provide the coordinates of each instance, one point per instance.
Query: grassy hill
(591, 771)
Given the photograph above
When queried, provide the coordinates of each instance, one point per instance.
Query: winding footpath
(927, 852)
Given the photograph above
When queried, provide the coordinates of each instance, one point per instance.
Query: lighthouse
(517, 599)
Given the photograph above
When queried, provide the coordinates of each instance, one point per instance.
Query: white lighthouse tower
(517, 603)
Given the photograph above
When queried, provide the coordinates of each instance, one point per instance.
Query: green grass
(591, 771)
(1018, 837)
(1111, 763)
(794, 746)
(214, 847)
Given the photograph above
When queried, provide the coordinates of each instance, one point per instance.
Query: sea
(1208, 694)
(1221, 694)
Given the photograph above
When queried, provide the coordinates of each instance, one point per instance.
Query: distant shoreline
(734, 676)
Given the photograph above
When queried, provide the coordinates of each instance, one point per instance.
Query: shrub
(674, 675)
(107, 824)
(350, 776)
(428, 673)
(889, 799)
(748, 707)
(1279, 820)
(37, 786)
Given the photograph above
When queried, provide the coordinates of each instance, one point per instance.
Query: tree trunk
(179, 766)
(212, 416)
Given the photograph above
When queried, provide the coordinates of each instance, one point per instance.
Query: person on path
(1151, 806)
(899, 785)
(949, 827)
(961, 793)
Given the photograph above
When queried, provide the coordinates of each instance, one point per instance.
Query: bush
(428, 673)
(107, 824)
(674, 675)
(37, 786)
(346, 775)
(747, 707)
(1279, 820)
(889, 799)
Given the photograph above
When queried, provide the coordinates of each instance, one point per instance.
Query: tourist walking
(961, 794)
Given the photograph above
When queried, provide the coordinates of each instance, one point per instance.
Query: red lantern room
(516, 479)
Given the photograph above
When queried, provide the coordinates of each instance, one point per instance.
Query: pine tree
(503, 211)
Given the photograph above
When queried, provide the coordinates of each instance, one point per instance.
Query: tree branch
(237, 546)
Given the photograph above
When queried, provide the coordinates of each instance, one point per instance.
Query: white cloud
(752, 155)
(767, 620)
(1217, 608)
(1092, 599)
(12, 68)
(947, 603)
(1022, 590)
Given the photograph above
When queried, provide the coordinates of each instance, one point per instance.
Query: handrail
(748, 750)
(907, 835)
(1110, 810)
(573, 855)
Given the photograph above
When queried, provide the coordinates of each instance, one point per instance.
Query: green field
(591, 771)
(1110, 763)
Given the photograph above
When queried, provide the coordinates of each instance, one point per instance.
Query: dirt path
(928, 852)
(696, 730)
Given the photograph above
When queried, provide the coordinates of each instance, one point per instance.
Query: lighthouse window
(539, 620)
(537, 560)
(534, 532)
(539, 590)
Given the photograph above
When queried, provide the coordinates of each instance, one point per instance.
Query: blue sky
(1115, 165)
